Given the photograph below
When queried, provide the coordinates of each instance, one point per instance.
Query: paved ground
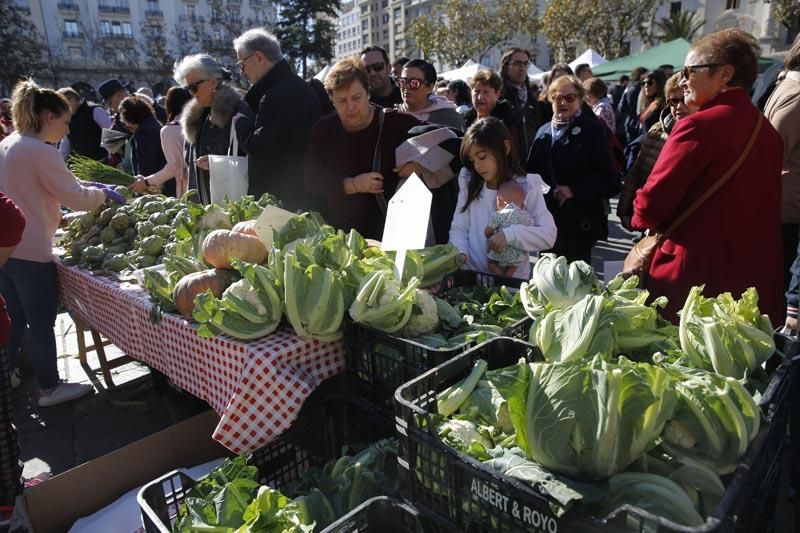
(56, 439)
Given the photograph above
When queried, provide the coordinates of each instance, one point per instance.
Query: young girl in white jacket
(490, 159)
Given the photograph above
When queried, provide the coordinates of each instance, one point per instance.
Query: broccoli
(424, 318)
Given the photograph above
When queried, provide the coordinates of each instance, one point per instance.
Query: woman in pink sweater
(34, 176)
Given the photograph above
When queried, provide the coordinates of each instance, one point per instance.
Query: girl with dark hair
(458, 93)
(34, 176)
(490, 160)
(173, 175)
(417, 88)
(147, 157)
(654, 100)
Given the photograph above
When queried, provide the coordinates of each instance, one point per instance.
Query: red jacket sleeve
(12, 220)
(681, 162)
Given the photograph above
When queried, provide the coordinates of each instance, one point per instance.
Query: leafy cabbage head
(557, 284)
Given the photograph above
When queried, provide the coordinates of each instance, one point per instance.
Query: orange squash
(216, 280)
(248, 227)
(221, 246)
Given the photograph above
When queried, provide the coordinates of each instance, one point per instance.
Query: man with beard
(382, 90)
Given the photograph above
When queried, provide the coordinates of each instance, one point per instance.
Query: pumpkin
(216, 280)
(248, 227)
(221, 245)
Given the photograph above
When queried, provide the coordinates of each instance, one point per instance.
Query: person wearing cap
(113, 92)
(85, 127)
(285, 108)
(207, 120)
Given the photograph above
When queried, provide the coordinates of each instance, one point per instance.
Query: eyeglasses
(192, 87)
(241, 62)
(520, 63)
(688, 70)
(674, 102)
(569, 98)
(376, 67)
(411, 83)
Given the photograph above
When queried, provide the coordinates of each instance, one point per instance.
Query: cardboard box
(55, 504)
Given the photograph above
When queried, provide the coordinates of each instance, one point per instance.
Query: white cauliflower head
(425, 317)
(246, 292)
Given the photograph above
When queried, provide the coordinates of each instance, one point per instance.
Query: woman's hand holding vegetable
(368, 182)
(202, 162)
(139, 185)
(497, 242)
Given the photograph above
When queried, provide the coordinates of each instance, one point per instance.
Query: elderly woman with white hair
(207, 119)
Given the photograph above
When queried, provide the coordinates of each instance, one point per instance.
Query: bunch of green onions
(87, 169)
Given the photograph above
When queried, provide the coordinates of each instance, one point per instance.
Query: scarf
(558, 124)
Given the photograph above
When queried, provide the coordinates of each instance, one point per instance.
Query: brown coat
(783, 112)
(652, 143)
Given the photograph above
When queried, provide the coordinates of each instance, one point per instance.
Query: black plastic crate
(378, 363)
(460, 489)
(386, 514)
(322, 429)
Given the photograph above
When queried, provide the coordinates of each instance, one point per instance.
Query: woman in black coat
(147, 157)
(571, 154)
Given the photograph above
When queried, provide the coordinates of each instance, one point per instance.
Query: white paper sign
(425, 150)
(407, 220)
(271, 218)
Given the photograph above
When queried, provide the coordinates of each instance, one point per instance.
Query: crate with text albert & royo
(379, 362)
(466, 492)
(323, 429)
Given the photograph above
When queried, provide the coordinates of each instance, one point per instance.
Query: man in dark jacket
(383, 91)
(113, 92)
(628, 112)
(85, 127)
(518, 93)
(285, 108)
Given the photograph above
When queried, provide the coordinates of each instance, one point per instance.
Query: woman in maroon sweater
(13, 223)
(339, 162)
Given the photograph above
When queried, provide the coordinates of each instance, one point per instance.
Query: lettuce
(314, 299)
(727, 336)
(556, 284)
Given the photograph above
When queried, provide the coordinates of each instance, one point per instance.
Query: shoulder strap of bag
(233, 141)
(720, 182)
(376, 160)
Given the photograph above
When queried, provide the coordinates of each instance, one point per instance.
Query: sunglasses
(376, 67)
(568, 98)
(411, 83)
(688, 70)
(674, 102)
(241, 62)
(520, 63)
(192, 87)
(649, 82)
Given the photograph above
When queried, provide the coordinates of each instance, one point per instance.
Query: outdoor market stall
(256, 387)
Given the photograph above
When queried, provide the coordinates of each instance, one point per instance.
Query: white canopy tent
(322, 73)
(588, 56)
(465, 72)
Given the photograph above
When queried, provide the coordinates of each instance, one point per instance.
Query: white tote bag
(228, 173)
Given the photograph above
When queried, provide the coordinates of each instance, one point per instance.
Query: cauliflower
(214, 218)
(461, 434)
(425, 317)
(242, 289)
(676, 432)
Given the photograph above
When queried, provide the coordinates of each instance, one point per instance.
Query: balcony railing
(117, 36)
(68, 6)
(125, 10)
(154, 13)
(73, 34)
(257, 3)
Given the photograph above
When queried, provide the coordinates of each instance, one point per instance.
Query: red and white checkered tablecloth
(256, 387)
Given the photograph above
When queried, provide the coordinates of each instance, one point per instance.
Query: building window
(127, 29)
(385, 34)
(364, 24)
(152, 5)
(364, 9)
(397, 12)
(71, 28)
(385, 4)
(191, 11)
(674, 8)
(731, 4)
(105, 27)
(385, 18)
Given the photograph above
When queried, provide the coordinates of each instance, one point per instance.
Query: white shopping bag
(228, 173)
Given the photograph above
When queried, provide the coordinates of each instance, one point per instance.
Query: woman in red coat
(733, 240)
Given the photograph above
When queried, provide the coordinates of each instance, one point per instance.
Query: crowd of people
(532, 170)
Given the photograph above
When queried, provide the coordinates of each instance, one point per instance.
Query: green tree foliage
(679, 25)
(306, 30)
(605, 25)
(22, 46)
(788, 13)
(458, 30)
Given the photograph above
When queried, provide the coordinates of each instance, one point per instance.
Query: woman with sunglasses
(571, 154)
(417, 84)
(732, 241)
(651, 144)
(207, 119)
(653, 99)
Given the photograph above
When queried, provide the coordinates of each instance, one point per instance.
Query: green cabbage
(314, 298)
(556, 284)
(653, 493)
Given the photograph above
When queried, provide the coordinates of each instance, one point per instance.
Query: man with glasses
(285, 108)
(522, 97)
(382, 90)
